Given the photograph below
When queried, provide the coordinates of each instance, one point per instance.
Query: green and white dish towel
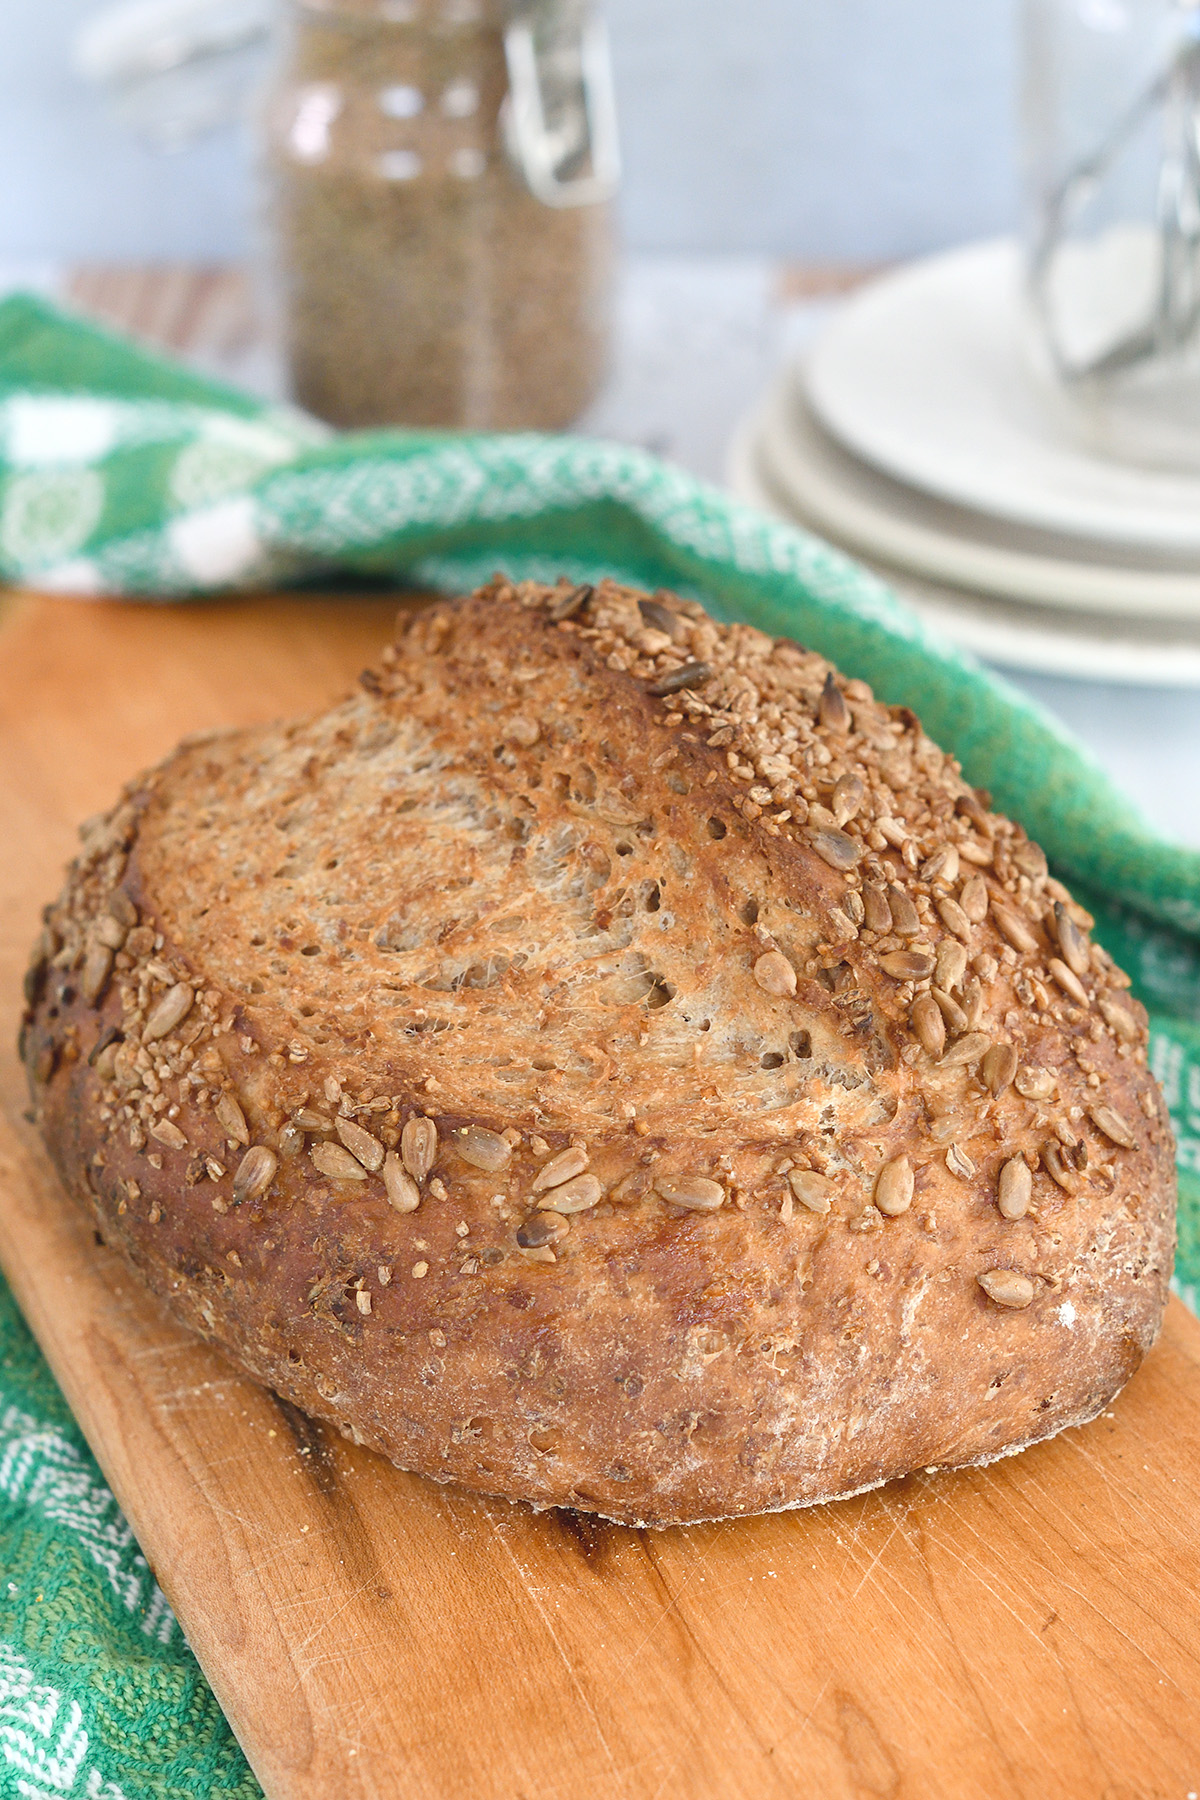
(122, 474)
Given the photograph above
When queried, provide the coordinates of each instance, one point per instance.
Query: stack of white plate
(915, 435)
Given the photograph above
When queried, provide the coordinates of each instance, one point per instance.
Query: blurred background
(826, 130)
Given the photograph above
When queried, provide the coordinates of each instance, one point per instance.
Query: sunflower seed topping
(255, 1173)
(836, 848)
(1012, 926)
(775, 974)
(959, 1163)
(697, 1192)
(291, 1140)
(928, 1025)
(951, 964)
(1034, 1083)
(1068, 981)
(968, 1049)
(97, 968)
(907, 965)
(171, 1011)
(1014, 1190)
(483, 1149)
(111, 932)
(1057, 1170)
(691, 675)
(905, 922)
(360, 1144)
(1119, 1017)
(954, 918)
(1007, 1288)
(169, 1134)
(876, 911)
(310, 1120)
(848, 796)
(563, 1167)
(1110, 1122)
(832, 710)
(336, 1162)
(122, 909)
(567, 605)
(657, 617)
(418, 1147)
(998, 1068)
(894, 1187)
(574, 1196)
(232, 1119)
(402, 1191)
(1071, 941)
(542, 1229)
(811, 1190)
(974, 899)
(943, 865)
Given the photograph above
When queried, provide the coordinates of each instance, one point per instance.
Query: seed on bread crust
(482, 1148)
(579, 1194)
(894, 1187)
(1014, 928)
(337, 1162)
(1109, 1121)
(1068, 981)
(542, 1229)
(1015, 1188)
(97, 968)
(171, 1011)
(231, 1119)
(848, 796)
(367, 1149)
(929, 1025)
(691, 675)
(1007, 1288)
(832, 711)
(775, 974)
(418, 1147)
(836, 848)
(568, 1163)
(907, 965)
(254, 1175)
(402, 1191)
(697, 1192)
(814, 1191)
(1071, 941)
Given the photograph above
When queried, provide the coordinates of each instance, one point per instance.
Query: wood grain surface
(1025, 1631)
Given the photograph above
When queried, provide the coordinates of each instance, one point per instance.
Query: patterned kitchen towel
(121, 473)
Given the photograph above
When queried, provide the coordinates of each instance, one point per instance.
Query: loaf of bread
(613, 1062)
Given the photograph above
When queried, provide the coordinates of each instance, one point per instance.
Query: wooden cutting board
(1029, 1630)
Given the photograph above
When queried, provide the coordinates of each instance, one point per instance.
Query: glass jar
(1112, 136)
(440, 175)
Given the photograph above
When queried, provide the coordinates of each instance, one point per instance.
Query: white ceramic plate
(1089, 647)
(923, 373)
(873, 515)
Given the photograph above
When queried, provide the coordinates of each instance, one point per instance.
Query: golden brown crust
(613, 1062)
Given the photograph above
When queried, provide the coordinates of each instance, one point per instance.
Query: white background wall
(808, 128)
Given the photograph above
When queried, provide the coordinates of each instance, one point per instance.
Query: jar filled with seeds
(440, 177)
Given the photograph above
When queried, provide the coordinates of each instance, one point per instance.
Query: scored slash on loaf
(613, 1061)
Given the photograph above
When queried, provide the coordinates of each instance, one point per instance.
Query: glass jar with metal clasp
(440, 177)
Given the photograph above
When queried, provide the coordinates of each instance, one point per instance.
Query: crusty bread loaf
(613, 1062)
